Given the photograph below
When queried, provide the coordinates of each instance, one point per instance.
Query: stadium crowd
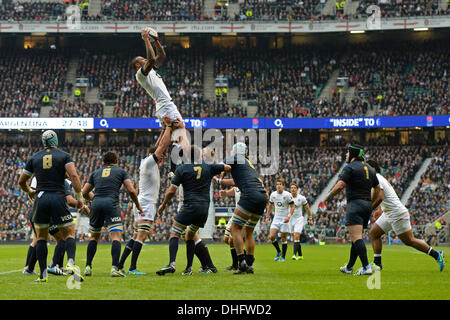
(310, 167)
(193, 10)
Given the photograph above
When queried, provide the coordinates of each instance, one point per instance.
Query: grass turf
(407, 274)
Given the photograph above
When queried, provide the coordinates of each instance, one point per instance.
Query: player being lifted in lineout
(151, 81)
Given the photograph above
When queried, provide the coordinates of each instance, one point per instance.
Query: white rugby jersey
(155, 87)
(149, 181)
(281, 203)
(299, 202)
(391, 204)
(237, 194)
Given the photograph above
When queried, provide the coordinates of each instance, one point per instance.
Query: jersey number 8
(47, 161)
(106, 172)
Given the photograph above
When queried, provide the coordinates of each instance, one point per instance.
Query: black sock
(136, 251)
(277, 246)
(29, 253)
(209, 262)
(377, 259)
(249, 258)
(41, 254)
(200, 253)
(115, 252)
(33, 260)
(360, 247)
(284, 249)
(234, 257)
(91, 250)
(61, 257)
(173, 249)
(296, 247)
(299, 249)
(126, 252)
(71, 249)
(433, 253)
(59, 251)
(241, 257)
(353, 257)
(190, 248)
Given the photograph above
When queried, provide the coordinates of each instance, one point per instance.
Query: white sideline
(12, 271)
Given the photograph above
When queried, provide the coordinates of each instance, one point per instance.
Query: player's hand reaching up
(145, 34)
(161, 209)
(153, 34)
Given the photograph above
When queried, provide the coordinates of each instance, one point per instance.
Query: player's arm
(151, 59)
(377, 196)
(160, 53)
(163, 143)
(338, 187)
(133, 193)
(227, 193)
(170, 193)
(308, 210)
(76, 183)
(224, 182)
(72, 202)
(87, 191)
(291, 212)
(24, 177)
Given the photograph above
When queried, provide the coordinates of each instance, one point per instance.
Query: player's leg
(58, 254)
(228, 239)
(202, 253)
(284, 243)
(376, 232)
(96, 220)
(238, 221)
(143, 229)
(297, 246)
(129, 247)
(273, 235)
(190, 248)
(175, 234)
(41, 250)
(250, 241)
(420, 245)
(115, 236)
(31, 255)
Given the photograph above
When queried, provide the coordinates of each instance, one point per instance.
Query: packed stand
(76, 109)
(27, 76)
(161, 10)
(284, 82)
(403, 8)
(402, 79)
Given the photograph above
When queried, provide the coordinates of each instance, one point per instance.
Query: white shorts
(228, 228)
(149, 212)
(170, 110)
(82, 225)
(296, 224)
(399, 224)
(278, 223)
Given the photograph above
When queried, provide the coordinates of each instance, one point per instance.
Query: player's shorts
(168, 110)
(296, 224)
(149, 212)
(50, 208)
(52, 229)
(400, 224)
(358, 213)
(104, 212)
(253, 204)
(279, 224)
(193, 213)
(228, 229)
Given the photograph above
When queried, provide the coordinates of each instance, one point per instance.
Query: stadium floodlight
(421, 29)
(357, 31)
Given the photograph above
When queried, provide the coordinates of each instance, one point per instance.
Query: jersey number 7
(199, 172)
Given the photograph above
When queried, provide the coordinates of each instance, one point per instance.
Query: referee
(358, 179)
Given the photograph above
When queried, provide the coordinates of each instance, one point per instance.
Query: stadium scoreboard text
(228, 123)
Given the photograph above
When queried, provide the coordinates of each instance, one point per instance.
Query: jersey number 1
(367, 172)
(199, 171)
(47, 161)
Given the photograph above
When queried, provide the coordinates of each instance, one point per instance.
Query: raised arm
(151, 59)
(160, 53)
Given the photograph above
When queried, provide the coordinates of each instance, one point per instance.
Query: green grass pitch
(407, 274)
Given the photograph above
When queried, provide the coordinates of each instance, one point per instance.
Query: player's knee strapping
(118, 227)
(145, 226)
(193, 229)
(251, 224)
(178, 229)
(238, 220)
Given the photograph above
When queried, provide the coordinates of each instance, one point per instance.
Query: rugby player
(249, 209)
(358, 178)
(105, 211)
(50, 166)
(151, 81)
(297, 221)
(281, 200)
(393, 215)
(149, 184)
(196, 181)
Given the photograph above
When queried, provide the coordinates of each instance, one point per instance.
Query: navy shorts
(358, 213)
(253, 204)
(193, 213)
(50, 208)
(104, 212)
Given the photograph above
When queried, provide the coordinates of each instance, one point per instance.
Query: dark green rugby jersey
(107, 182)
(49, 168)
(359, 178)
(196, 180)
(245, 176)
